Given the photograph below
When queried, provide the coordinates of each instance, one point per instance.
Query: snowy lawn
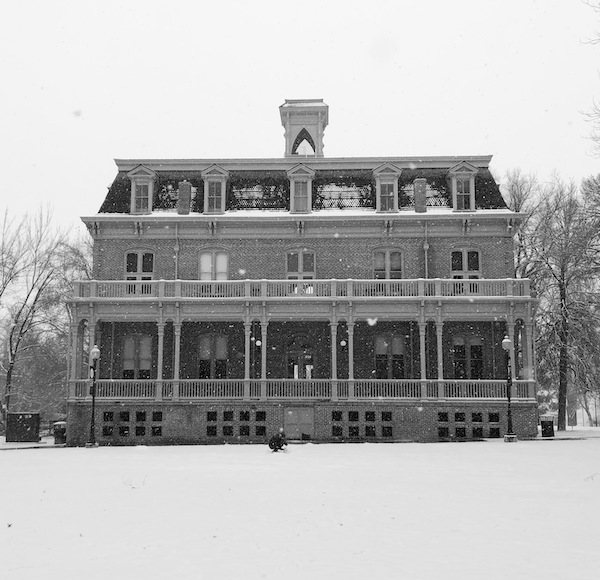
(486, 510)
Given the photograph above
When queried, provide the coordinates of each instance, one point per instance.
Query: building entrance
(299, 423)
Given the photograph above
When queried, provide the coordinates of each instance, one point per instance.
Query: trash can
(60, 432)
(547, 427)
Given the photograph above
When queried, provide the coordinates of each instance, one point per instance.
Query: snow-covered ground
(482, 510)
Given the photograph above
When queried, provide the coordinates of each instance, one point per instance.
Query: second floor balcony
(265, 290)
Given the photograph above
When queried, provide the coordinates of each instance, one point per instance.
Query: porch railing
(299, 389)
(307, 289)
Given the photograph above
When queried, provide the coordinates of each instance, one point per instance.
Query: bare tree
(522, 194)
(12, 259)
(564, 263)
(39, 241)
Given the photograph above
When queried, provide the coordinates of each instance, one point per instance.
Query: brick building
(343, 299)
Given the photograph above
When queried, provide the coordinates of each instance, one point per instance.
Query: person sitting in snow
(278, 441)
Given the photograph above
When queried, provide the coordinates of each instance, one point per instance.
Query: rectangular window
(214, 265)
(389, 357)
(301, 265)
(214, 197)
(142, 198)
(212, 355)
(387, 265)
(386, 202)
(137, 357)
(463, 194)
(107, 431)
(466, 264)
(260, 430)
(139, 266)
(301, 196)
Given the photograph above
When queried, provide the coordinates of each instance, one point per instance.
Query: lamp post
(510, 436)
(94, 356)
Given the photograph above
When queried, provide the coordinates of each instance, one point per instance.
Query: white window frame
(214, 201)
(386, 200)
(387, 271)
(460, 197)
(300, 174)
(300, 196)
(141, 177)
(214, 274)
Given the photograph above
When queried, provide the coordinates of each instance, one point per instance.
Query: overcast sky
(83, 83)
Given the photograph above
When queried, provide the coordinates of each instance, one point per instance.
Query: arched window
(137, 356)
(389, 356)
(468, 357)
(212, 355)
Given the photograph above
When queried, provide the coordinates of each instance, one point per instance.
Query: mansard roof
(358, 170)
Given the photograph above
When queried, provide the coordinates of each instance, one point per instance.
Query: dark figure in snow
(278, 441)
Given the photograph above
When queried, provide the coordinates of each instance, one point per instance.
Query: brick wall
(147, 423)
(335, 258)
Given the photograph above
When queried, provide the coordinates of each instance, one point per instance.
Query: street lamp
(510, 437)
(94, 356)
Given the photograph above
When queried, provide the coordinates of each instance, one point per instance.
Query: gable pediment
(387, 170)
(141, 171)
(463, 167)
(215, 171)
(300, 171)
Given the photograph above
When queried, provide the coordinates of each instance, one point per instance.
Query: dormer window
(386, 182)
(300, 188)
(462, 179)
(215, 182)
(142, 189)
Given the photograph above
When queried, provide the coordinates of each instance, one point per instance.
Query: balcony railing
(306, 289)
(299, 389)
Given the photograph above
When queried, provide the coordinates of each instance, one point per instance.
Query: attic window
(142, 189)
(462, 178)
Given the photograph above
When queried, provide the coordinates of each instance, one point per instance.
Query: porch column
(92, 337)
(439, 329)
(74, 328)
(530, 374)
(159, 362)
(423, 358)
(176, 359)
(510, 330)
(247, 332)
(350, 326)
(263, 359)
(334, 327)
